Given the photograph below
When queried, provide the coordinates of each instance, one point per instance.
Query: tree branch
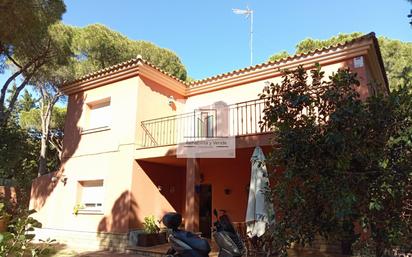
(4, 114)
(57, 143)
(9, 80)
(15, 95)
(13, 60)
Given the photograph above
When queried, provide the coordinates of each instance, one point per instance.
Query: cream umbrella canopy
(259, 212)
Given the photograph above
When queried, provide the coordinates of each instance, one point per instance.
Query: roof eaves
(380, 60)
(283, 60)
(118, 67)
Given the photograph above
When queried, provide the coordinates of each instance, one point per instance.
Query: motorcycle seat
(193, 240)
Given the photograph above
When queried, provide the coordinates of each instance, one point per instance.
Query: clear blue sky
(210, 39)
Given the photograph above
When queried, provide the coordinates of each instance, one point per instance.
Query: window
(91, 195)
(206, 123)
(99, 114)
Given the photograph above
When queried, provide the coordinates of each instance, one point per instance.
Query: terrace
(239, 119)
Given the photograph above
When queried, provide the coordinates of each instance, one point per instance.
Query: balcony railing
(232, 120)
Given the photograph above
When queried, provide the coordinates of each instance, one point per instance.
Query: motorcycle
(184, 243)
(226, 237)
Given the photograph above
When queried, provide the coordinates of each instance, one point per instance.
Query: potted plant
(77, 208)
(151, 233)
(4, 218)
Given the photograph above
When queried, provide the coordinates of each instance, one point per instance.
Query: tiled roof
(284, 60)
(120, 66)
(139, 60)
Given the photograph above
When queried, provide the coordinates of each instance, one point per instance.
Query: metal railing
(232, 120)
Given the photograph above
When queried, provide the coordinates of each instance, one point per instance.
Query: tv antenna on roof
(249, 14)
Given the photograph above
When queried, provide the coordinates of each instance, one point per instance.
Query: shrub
(150, 225)
(17, 241)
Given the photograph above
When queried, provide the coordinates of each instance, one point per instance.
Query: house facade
(127, 152)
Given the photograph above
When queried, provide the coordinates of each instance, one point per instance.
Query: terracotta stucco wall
(232, 174)
(102, 154)
(250, 91)
(147, 199)
(240, 93)
(153, 102)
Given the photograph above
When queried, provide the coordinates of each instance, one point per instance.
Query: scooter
(184, 243)
(226, 237)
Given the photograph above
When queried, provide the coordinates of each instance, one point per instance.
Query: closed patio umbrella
(259, 212)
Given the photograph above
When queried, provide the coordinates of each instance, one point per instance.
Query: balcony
(237, 119)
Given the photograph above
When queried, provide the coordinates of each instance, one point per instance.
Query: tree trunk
(43, 157)
(45, 127)
(46, 109)
(58, 145)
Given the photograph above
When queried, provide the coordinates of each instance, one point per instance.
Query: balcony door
(206, 123)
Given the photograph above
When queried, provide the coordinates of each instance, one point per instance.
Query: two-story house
(128, 152)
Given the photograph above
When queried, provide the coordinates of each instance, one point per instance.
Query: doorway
(205, 210)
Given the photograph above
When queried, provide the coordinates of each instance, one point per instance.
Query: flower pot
(4, 223)
(146, 240)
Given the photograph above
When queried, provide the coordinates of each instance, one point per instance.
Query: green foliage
(17, 241)
(279, 56)
(190, 79)
(31, 122)
(396, 55)
(86, 50)
(97, 47)
(364, 248)
(3, 213)
(17, 154)
(338, 160)
(31, 20)
(70, 53)
(310, 44)
(35, 39)
(77, 208)
(59, 67)
(31, 119)
(397, 58)
(150, 225)
(19, 147)
(27, 102)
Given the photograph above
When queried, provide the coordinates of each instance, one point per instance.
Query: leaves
(29, 40)
(344, 160)
(17, 240)
(97, 47)
(31, 120)
(279, 56)
(150, 225)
